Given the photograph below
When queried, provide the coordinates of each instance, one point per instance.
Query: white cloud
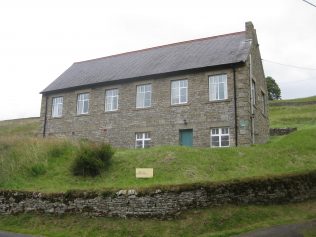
(40, 39)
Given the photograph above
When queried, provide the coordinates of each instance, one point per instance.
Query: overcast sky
(40, 39)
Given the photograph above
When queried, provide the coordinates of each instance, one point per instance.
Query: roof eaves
(140, 77)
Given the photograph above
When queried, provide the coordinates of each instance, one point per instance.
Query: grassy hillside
(31, 163)
(300, 116)
(305, 99)
(293, 116)
(19, 127)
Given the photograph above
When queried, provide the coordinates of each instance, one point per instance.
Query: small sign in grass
(144, 172)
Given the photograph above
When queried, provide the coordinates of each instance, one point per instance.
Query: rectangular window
(264, 108)
(218, 87)
(220, 137)
(142, 139)
(57, 107)
(143, 97)
(111, 100)
(253, 92)
(83, 103)
(179, 92)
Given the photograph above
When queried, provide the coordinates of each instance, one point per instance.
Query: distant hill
(304, 99)
(300, 113)
(23, 126)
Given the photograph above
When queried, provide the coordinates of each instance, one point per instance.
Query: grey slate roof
(200, 53)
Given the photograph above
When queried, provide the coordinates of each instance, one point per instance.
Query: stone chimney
(251, 32)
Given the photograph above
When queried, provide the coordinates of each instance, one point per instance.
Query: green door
(186, 137)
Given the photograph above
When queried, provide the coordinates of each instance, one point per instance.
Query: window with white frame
(142, 139)
(143, 97)
(57, 107)
(111, 100)
(179, 92)
(83, 103)
(218, 87)
(220, 137)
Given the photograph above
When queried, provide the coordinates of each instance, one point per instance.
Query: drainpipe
(45, 117)
(235, 105)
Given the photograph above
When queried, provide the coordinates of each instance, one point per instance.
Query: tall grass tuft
(28, 156)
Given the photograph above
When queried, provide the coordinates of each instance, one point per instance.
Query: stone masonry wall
(260, 111)
(163, 120)
(162, 203)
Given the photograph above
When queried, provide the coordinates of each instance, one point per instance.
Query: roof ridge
(165, 45)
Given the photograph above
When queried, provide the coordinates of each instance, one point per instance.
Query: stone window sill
(61, 117)
(81, 115)
(112, 111)
(141, 109)
(218, 101)
(177, 105)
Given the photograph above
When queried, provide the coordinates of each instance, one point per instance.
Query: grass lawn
(30, 163)
(216, 221)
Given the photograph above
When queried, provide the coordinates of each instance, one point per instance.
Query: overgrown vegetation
(172, 165)
(91, 159)
(29, 163)
(24, 158)
(20, 127)
(215, 221)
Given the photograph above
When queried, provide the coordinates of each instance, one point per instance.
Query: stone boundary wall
(292, 103)
(163, 203)
(281, 131)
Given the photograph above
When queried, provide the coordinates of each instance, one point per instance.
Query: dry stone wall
(281, 131)
(162, 203)
(290, 103)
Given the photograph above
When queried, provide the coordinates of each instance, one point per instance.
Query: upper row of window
(179, 95)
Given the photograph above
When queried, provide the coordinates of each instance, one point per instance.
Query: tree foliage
(274, 91)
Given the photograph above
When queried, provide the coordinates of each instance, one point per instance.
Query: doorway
(186, 137)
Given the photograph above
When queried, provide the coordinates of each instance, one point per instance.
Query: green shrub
(91, 159)
(37, 169)
(105, 152)
(87, 166)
